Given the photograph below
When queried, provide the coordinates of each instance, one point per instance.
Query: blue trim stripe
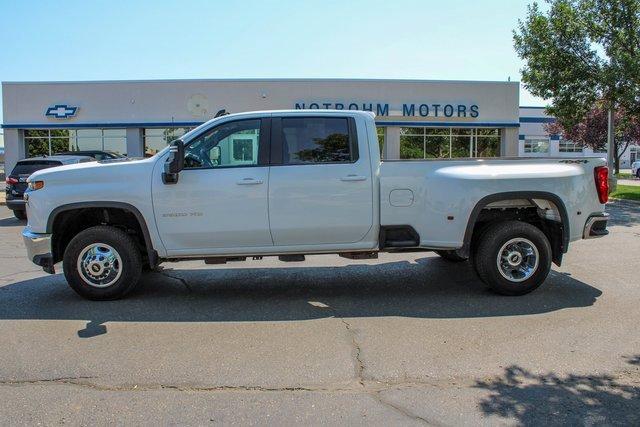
(537, 119)
(189, 124)
(98, 125)
(449, 124)
(555, 137)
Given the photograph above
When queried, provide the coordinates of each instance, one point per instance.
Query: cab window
(228, 145)
(308, 140)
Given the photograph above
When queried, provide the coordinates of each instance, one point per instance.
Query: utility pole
(611, 151)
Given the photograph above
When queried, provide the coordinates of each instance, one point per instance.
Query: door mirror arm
(175, 162)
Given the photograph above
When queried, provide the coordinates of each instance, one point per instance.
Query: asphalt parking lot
(404, 339)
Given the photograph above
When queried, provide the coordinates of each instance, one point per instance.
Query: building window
(445, 143)
(569, 147)
(46, 142)
(536, 145)
(381, 133)
(155, 139)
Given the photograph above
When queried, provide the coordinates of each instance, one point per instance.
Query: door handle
(249, 181)
(353, 177)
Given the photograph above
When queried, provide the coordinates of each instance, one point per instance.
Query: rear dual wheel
(512, 257)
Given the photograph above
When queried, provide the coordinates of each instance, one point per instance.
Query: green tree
(581, 52)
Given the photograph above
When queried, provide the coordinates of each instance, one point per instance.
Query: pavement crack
(399, 409)
(179, 279)
(357, 351)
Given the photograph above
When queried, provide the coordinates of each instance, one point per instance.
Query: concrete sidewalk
(629, 182)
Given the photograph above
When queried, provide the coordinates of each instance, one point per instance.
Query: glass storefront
(41, 142)
(444, 143)
(155, 139)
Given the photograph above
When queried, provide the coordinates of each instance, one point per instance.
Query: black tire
(451, 256)
(20, 214)
(638, 173)
(129, 265)
(487, 250)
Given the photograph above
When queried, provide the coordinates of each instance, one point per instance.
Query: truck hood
(119, 167)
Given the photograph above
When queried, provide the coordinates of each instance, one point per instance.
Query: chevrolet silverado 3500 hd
(292, 183)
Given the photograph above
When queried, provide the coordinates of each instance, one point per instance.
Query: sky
(140, 39)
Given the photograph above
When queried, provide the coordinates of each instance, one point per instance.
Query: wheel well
(548, 215)
(68, 223)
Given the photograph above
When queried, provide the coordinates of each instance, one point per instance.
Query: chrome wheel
(518, 259)
(99, 265)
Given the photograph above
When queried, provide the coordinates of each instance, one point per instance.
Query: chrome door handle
(353, 177)
(249, 181)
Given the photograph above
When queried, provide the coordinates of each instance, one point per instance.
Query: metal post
(611, 150)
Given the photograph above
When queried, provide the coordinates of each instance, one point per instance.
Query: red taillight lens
(11, 181)
(602, 183)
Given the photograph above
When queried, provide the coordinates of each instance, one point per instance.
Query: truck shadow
(533, 399)
(426, 288)
(623, 213)
(12, 222)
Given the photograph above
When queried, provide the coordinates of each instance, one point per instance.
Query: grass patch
(629, 192)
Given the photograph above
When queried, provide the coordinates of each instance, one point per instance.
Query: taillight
(601, 174)
(11, 181)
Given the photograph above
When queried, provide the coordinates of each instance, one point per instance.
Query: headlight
(35, 185)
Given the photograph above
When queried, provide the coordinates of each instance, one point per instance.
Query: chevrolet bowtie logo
(61, 111)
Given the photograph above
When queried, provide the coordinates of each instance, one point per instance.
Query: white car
(292, 183)
(635, 169)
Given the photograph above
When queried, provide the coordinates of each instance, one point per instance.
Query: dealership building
(415, 118)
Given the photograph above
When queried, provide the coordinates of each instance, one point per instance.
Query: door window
(228, 145)
(317, 140)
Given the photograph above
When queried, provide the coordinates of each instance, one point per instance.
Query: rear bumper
(39, 249)
(596, 226)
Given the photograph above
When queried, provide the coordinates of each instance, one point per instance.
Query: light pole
(610, 150)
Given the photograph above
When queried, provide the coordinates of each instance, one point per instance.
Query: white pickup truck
(293, 183)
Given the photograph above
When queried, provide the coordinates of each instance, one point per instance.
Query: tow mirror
(175, 162)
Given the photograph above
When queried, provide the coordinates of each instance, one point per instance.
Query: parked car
(96, 154)
(16, 182)
(292, 183)
(635, 168)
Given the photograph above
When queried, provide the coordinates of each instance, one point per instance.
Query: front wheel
(102, 263)
(513, 257)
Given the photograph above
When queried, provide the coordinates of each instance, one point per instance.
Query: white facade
(416, 118)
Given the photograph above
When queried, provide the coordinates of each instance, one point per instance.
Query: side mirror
(175, 162)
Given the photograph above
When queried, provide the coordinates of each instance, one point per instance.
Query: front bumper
(596, 226)
(39, 249)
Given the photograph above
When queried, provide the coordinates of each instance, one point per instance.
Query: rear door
(320, 184)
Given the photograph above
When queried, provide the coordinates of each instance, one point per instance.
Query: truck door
(220, 199)
(320, 185)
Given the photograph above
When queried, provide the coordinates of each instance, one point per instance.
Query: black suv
(17, 180)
